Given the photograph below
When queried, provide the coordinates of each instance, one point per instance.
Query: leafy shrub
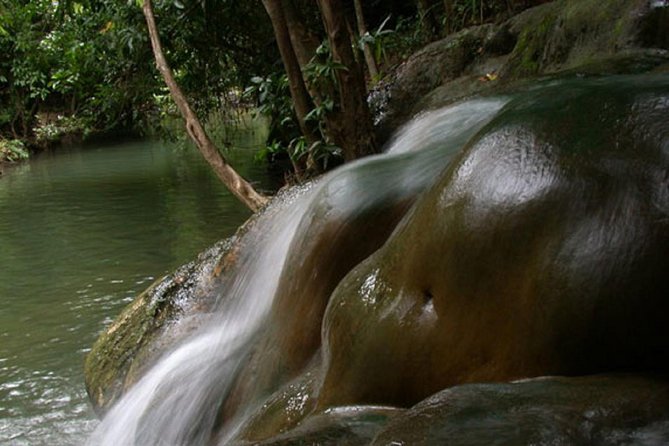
(53, 130)
(12, 150)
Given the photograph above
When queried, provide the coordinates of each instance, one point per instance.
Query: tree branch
(232, 180)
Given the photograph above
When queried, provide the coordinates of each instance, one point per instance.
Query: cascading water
(176, 401)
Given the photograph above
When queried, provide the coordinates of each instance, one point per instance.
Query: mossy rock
(168, 311)
(567, 34)
(557, 37)
(149, 325)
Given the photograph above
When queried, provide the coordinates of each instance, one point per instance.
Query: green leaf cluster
(90, 61)
(12, 150)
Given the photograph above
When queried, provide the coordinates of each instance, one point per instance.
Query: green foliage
(91, 61)
(470, 12)
(12, 150)
(271, 150)
(61, 126)
(391, 45)
(377, 39)
(66, 60)
(90, 64)
(323, 154)
(272, 96)
(321, 71)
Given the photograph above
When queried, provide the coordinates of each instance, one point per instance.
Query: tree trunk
(303, 39)
(351, 124)
(304, 43)
(448, 14)
(237, 185)
(367, 50)
(298, 90)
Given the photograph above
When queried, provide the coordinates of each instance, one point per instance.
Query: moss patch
(135, 339)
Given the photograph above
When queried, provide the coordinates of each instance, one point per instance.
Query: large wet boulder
(541, 250)
(351, 215)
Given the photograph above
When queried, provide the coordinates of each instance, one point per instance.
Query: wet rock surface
(588, 411)
(163, 314)
(541, 250)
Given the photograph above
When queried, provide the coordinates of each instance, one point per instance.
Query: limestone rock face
(541, 250)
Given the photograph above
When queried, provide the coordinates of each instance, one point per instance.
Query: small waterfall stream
(176, 401)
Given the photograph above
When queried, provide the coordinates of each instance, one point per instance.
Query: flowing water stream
(172, 404)
(82, 231)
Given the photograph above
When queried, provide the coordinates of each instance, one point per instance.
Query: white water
(446, 124)
(176, 402)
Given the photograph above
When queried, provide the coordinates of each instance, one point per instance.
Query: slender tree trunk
(366, 48)
(298, 90)
(351, 124)
(304, 43)
(237, 185)
(448, 14)
(303, 39)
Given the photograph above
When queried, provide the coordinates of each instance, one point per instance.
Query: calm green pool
(82, 231)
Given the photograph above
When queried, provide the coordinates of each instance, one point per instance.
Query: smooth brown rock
(542, 250)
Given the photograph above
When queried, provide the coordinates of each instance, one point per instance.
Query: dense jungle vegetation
(72, 69)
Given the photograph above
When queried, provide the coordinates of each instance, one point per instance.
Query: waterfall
(177, 400)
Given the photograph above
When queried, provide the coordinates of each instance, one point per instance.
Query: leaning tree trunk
(351, 124)
(232, 180)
